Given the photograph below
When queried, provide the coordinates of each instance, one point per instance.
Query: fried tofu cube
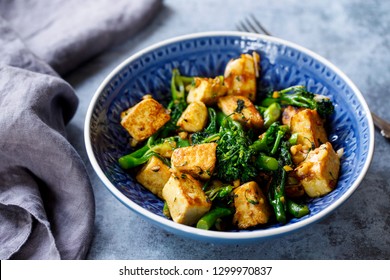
(194, 118)
(310, 128)
(319, 172)
(252, 207)
(185, 198)
(288, 113)
(206, 90)
(144, 119)
(240, 75)
(154, 175)
(242, 110)
(197, 160)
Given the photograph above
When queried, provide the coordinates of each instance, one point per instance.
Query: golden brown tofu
(241, 109)
(319, 172)
(240, 75)
(154, 175)
(310, 128)
(197, 160)
(206, 90)
(299, 153)
(144, 119)
(194, 118)
(185, 198)
(288, 113)
(252, 207)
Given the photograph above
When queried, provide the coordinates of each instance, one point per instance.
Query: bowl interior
(282, 65)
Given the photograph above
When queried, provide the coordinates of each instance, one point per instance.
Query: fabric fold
(47, 205)
(67, 33)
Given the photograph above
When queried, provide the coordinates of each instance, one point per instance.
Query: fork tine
(243, 27)
(254, 27)
(259, 25)
(251, 24)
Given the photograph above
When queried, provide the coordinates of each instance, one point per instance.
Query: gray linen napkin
(46, 201)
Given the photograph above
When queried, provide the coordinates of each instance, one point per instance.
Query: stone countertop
(352, 34)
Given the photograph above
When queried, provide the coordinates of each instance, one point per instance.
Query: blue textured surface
(281, 66)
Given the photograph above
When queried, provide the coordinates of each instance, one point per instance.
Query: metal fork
(253, 25)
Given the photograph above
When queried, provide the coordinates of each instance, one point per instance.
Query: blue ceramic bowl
(283, 64)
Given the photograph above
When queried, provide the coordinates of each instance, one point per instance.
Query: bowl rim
(221, 235)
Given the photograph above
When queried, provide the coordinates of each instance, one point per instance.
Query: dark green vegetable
(234, 157)
(276, 194)
(219, 192)
(270, 141)
(177, 105)
(151, 148)
(209, 219)
(299, 96)
(208, 134)
(297, 210)
(285, 155)
(272, 114)
(266, 163)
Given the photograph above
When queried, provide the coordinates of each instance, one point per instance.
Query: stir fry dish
(223, 157)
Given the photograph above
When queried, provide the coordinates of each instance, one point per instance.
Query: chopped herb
(251, 201)
(240, 105)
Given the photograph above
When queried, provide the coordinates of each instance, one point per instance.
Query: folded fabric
(46, 200)
(65, 33)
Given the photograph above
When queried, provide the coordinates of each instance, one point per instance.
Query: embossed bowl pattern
(283, 64)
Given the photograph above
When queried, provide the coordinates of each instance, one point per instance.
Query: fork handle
(383, 125)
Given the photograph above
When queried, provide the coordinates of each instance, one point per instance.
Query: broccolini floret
(299, 96)
(235, 159)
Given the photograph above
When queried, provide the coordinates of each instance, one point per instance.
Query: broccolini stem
(187, 80)
(211, 138)
(129, 161)
(293, 88)
(297, 210)
(266, 163)
(209, 219)
(272, 114)
(282, 130)
(150, 149)
(176, 81)
(276, 195)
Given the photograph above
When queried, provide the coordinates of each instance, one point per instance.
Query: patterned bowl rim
(217, 235)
